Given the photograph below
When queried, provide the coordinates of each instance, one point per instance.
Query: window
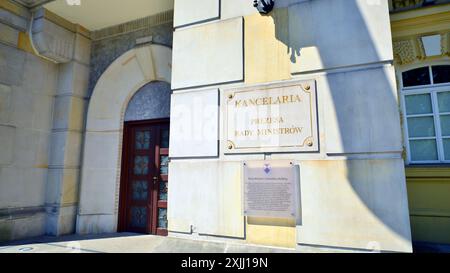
(426, 108)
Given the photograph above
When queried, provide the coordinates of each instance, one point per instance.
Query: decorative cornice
(55, 38)
(414, 25)
(411, 49)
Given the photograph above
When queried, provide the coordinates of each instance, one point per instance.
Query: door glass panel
(423, 150)
(141, 165)
(445, 125)
(441, 73)
(421, 127)
(142, 140)
(418, 104)
(419, 76)
(139, 217)
(162, 218)
(444, 102)
(165, 138)
(140, 190)
(163, 191)
(164, 169)
(446, 142)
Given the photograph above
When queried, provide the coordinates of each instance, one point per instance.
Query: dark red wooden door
(144, 180)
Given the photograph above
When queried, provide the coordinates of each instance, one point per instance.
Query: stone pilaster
(67, 135)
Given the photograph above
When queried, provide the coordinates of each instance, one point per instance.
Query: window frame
(433, 90)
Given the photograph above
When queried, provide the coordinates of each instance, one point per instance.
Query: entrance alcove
(139, 79)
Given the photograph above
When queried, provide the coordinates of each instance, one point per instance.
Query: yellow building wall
(429, 203)
(428, 186)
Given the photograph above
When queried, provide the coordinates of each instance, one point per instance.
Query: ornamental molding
(410, 50)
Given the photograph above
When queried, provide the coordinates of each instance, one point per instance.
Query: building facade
(420, 31)
(148, 117)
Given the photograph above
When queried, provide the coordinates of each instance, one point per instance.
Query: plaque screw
(310, 143)
(230, 96)
(307, 87)
(230, 146)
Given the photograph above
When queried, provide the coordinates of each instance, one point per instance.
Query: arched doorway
(145, 157)
(102, 155)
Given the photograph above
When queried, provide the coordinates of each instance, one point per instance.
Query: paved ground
(128, 243)
(136, 243)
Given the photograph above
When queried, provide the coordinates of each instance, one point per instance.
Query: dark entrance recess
(144, 178)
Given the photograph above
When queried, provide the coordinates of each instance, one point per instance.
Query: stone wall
(27, 93)
(352, 192)
(44, 93)
(42, 101)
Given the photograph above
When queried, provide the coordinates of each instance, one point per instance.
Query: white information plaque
(269, 189)
(271, 118)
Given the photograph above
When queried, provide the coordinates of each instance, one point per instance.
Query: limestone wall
(352, 192)
(27, 93)
(43, 99)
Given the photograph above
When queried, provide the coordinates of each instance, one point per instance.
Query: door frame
(125, 165)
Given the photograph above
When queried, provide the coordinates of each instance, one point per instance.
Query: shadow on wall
(360, 109)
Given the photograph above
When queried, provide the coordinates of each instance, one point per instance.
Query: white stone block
(25, 147)
(28, 227)
(21, 108)
(98, 182)
(189, 12)
(22, 187)
(69, 113)
(96, 224)
(7, 140)
(194, 124)
(325, 34)
(361, 112)
(62, 222)
(102, 150)
(42, 112)
(207, 196)
(55, 178)
(82, 50)
(238, 8)
(39, 76)
(11, 65)
(9, 35)
(5, 103)
(354, 204)
(208, 54)
(42, 140)
(73, 79)
(65, 149)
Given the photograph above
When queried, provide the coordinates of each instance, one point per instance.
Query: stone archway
(100, 176)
